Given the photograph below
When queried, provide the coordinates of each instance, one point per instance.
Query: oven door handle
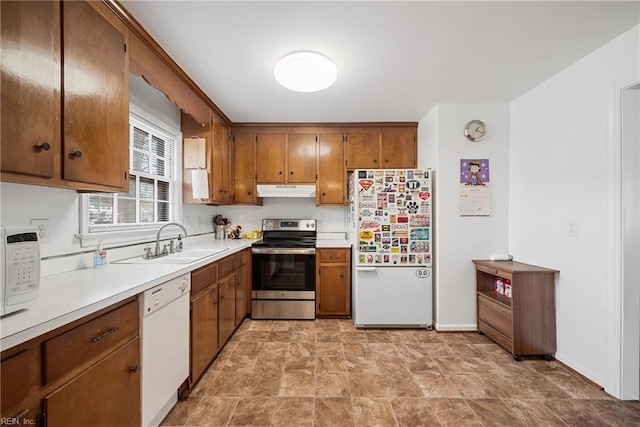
(284, 251)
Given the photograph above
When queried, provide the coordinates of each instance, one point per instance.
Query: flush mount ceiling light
(305, 71)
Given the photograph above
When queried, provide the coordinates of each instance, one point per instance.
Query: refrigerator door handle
(365, 269)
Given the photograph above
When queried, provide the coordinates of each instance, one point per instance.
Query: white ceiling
(396, 60)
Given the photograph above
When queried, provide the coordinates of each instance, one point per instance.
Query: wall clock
(475, 130)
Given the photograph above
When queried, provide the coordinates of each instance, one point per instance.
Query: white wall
(330, 218)
(458, 239)
(559, 169)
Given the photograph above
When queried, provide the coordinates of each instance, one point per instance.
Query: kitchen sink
(185, 257)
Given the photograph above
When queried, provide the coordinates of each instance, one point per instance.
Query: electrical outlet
(572, 228)
(43, 229)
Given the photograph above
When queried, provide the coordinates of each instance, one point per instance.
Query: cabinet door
(398, 150)
(242, 288)
(227, 308)
(107, 394)
(244, 168)
(333, 296)
(204, 332)
(301, 157)
(363, 151)
(218, 158)
(96, 96)
(270, 151)
(331, 170)
(16, 380)
(227, 164)
(30, 49)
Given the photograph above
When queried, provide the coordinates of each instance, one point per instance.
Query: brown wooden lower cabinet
(204, 331)
(86, 373)
(524, 323)
(243, 285)
(219, 299)
(107, 394)
(333, 282)
(226, 308)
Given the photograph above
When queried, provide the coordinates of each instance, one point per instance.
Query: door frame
(620, 314)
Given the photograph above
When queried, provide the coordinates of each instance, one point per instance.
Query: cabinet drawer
(502, 340)
(495, 272)
(226, 266)
(334, 255)
(15, 379)
(495, 315)
(89, 341)
(203, 277)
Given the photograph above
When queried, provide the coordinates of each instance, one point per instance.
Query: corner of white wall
(458, 240)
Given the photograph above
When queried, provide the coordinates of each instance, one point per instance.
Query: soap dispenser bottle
(179, 245)
(99, 256)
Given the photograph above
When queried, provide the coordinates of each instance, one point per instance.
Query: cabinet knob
(280, 173)
(77, 154)
(133, 369)
(324, 194)
(386, 160)
(291, 172)
(45, 146)
(375, 161)
(248, 193)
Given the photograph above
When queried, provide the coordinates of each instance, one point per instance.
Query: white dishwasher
(164, 329)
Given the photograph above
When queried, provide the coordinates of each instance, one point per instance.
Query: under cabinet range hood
(285, 190)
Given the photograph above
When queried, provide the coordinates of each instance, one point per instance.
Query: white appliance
(164, 346)
(20, 255)
(390, 227)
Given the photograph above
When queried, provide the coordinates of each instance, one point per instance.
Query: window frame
(89, 234)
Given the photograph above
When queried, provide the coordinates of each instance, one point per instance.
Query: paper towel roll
(501, 257)
(200, 184)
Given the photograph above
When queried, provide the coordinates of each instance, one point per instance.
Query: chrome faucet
(157, 251)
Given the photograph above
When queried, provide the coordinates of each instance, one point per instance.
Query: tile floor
(327, 373)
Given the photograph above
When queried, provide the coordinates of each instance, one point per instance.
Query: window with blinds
(150, 199)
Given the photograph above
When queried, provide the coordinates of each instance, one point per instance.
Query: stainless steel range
(284, 270)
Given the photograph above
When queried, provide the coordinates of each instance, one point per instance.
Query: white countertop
(332, 240)
(66, 297)
(333, 243)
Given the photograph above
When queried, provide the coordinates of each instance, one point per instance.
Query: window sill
(113, 237)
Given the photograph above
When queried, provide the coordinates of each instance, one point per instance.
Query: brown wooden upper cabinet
(332, 178)
(244, 170)
(363, 150)
(217, 159)
(285, 158)
(399, 149)
(392, 148)
(222, 187)
(90, 149)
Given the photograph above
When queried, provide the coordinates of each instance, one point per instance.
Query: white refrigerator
(389, 223)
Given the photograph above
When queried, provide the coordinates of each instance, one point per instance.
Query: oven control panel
(289, 224)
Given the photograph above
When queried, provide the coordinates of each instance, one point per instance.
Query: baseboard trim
(461, 327)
